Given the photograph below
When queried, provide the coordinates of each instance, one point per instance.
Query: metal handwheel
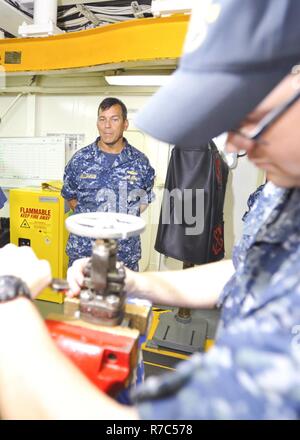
(105, 225)
(102, 296)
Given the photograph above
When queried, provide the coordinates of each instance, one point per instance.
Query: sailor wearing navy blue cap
(235, 53)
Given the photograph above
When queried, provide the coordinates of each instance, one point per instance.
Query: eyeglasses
(270, 118)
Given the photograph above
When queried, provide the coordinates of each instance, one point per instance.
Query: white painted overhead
(74, 15)
(11, 18)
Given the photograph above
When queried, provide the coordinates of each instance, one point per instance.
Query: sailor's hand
(75, 278)
(23, 263)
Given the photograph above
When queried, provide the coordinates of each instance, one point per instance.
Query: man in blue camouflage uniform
(108, 175)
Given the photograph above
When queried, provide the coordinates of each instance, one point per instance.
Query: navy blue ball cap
(236, 53)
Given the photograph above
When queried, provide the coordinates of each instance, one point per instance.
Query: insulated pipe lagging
(45, 11)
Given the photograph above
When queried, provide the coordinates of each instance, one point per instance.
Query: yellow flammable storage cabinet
(37, 219)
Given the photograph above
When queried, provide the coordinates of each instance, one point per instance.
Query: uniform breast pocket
(88, 190)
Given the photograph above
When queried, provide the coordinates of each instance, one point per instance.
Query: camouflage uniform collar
(264, 209)
(274, 217)
(124, 156)
(283, 223)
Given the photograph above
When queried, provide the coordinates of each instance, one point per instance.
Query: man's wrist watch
(12, 287)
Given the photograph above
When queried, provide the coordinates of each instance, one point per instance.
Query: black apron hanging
(194, 169)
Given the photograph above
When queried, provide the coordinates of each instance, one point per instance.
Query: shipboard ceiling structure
(112, 36)
(76, 15)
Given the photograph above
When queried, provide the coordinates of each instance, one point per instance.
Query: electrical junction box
(37, 219)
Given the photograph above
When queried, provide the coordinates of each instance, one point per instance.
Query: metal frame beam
(149, 40)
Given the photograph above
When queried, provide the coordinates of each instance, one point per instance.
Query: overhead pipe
(167, 7)
(44, 20)
(45, 11)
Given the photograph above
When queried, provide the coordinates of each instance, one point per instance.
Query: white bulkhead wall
(42, 114)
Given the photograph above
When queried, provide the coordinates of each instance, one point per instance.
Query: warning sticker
(25, 224)
(38, 219)
(35, 213)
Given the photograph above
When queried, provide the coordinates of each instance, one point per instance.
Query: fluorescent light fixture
(137, 80)
(165, 7)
